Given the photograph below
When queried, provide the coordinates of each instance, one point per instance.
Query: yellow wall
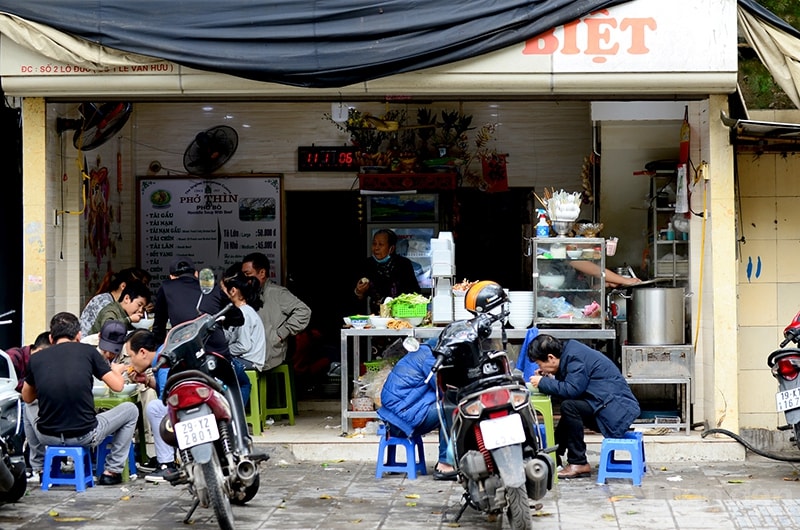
(769, 190)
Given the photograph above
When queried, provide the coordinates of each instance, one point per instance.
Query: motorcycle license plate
(503, 431)
(787, 399)
(196, 431)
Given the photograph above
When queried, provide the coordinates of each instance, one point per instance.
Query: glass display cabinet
(569, 282)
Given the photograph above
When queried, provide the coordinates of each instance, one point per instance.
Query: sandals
(438, 474)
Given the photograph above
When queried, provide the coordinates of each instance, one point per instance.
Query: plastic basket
(373, 366)
(401, 310)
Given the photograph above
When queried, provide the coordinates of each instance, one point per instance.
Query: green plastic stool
(543, 405)
(254, 407)
(287, 409)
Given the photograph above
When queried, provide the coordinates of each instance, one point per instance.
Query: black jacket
(176, 301)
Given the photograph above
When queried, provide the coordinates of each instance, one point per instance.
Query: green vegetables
(408, 298)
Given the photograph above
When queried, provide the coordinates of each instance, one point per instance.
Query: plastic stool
(257, 396)
(611, 467)
(100, 459)
(55, 455)
(388, 448)
(543, 405)
(288, 394)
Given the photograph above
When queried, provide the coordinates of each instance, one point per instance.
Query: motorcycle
(13, 480)
(785, 365)
(494, 436)
(206, 420)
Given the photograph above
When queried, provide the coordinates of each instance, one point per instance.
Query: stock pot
(656, 315)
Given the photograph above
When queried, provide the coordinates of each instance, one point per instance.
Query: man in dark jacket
(595, 395)
(408, 404)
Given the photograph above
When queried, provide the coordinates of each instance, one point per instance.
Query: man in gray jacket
(283, 313)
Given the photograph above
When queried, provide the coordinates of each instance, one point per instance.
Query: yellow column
(34, 219)
(721, 230)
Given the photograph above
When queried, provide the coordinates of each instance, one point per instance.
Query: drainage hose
(760, 452)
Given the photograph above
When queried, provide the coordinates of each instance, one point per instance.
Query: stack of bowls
(520, 309)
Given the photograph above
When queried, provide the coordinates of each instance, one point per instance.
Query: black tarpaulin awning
(306, 43)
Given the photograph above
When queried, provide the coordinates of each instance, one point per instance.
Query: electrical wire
(751, 447)
(702, 263)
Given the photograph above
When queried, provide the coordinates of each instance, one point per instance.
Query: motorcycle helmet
(484, 296)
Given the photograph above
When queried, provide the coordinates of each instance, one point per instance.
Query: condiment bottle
(542, 228)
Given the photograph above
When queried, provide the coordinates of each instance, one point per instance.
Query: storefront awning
(304, 43)
(763, 136)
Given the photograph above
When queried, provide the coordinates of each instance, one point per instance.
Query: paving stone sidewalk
(757, 493)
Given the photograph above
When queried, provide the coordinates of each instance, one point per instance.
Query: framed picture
(403, 208)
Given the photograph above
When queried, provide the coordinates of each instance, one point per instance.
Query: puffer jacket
(405, 398)
(587, 374)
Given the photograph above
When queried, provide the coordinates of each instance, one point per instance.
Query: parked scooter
(13, 480)
(495, 437)
(785, 365)
(206, 419)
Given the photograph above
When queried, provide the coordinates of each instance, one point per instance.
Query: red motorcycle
(206, 421)
(785, 365)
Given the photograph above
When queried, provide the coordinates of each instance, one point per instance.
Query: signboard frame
(214, 221)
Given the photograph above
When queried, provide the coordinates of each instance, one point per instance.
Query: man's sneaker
(149, 466)
(163, 473)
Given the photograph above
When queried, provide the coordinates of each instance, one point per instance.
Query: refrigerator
(415, 220)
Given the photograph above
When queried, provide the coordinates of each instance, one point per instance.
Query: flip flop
(444, 475)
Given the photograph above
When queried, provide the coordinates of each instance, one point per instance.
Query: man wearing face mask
(384, 274)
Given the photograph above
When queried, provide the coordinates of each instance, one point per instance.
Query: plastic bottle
(670, 232)
(542, 228)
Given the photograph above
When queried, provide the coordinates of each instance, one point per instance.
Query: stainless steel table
(350, 342)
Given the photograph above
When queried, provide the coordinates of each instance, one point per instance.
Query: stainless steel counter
(351, 349)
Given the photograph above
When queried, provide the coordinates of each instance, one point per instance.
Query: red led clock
(326, 158)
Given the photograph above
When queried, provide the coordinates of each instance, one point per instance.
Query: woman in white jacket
(246, 342)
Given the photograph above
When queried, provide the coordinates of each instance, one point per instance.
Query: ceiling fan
(210, 150)
(98, 123)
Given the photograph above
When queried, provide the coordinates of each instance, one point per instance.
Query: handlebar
(435, 368)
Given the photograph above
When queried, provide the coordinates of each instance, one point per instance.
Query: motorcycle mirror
(410, 344)
(206, 278)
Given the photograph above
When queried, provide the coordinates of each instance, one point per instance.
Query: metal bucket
(656, 315)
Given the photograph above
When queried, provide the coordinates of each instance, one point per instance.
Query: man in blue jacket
(408, 404)
(595, 395)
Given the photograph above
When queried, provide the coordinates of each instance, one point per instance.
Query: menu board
(214, 222)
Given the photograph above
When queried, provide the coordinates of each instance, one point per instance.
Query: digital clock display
(320, 158)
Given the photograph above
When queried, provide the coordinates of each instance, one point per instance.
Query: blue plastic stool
(100, 459)
(388, 449)
(52, 475)
(611, 467)
(543, 434)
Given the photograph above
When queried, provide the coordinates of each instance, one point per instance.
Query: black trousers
(576, 414)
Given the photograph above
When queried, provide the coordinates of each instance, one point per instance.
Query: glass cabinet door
(569, 281)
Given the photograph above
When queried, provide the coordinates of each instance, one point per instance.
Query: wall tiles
(757, 304)
(758, 218)
(756, 175)
(755, 344)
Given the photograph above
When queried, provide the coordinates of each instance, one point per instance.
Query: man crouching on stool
(594, 393)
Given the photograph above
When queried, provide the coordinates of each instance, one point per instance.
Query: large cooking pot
(656, 315)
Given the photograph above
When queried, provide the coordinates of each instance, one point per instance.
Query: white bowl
(551, 281)
(359, 321)
(145, 323)
(379, 322)
(127, 390)
(99, 391)
(414, 321)
(574, 254)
